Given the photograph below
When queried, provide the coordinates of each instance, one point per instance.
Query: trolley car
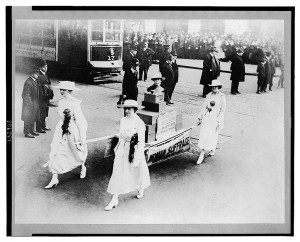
(81, 50)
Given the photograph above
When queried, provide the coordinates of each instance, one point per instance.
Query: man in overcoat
(168, 74)
(130, 89)
(271, 68)
(145, 58)
(45, 94)
(127, 64)
(30, 105)
(237, 71)
(211, 70)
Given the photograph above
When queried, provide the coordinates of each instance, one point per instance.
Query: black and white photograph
(151, 120)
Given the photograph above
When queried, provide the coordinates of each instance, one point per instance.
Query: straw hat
(130, 104)
(215, 83)
(157, 76)
(67, 85)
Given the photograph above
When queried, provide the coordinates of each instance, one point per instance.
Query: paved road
(242, 183)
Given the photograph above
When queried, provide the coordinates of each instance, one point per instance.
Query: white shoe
(140, 194)
(53, 182)
(113, 204)
(200, 159)
(83, 172)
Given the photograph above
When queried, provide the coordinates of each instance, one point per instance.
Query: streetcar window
(112, 30)
(97, 30)
(105, 53)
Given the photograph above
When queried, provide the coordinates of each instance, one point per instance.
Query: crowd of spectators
(195, 46)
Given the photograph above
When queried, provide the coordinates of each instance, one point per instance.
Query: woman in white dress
(71, 128)
(130, 170)
(211, 120)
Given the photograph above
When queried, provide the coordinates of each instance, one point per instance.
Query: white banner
(160, 151)
(166, 124)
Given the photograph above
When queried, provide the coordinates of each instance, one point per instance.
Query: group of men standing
(143, 58)
(36, 95)
(266, 70)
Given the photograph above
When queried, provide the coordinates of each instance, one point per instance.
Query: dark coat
(45, 93)
(168, 73)
(261, 73)
(127, 62)
(130, 81)
(30, 106)
(175, 70)
(269, 71)
(237, 69)
(211, 69)
(145, 57)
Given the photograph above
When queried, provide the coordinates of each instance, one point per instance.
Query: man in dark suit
(45, 94)
(145, 58)
(272, 68)
(30, 106)
(175, 71)
(237, 71)
(168, 74)
(127, 63)
(211, 70)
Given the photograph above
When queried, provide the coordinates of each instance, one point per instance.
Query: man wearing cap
(145, 58)
(237, 71)
(211, 70)
(45, 94)
(30, 106)
(127, 64)
(130, 89)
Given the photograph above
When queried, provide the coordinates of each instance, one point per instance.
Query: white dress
(64, 155)
(126, 178)
(212, 122)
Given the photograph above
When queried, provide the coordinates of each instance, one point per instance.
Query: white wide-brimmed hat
(67, 85)
(157, 76)
(215, 83)
(130, 104)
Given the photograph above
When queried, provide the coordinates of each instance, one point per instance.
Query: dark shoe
(46, 129)
(258, 92)
(34, 133)
(237, 92)
(233, 93)
(41, 131)
(204, 96)
(29, 136)
(171, 102)
(270, 90)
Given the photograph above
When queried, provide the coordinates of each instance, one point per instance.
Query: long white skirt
(208, 136)
(126, 178)
(64, 155)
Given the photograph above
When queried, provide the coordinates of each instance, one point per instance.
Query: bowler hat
(42, 62)
(174, 53)
(215, 83)
(129, 103)
(133, 47)
(67, 85)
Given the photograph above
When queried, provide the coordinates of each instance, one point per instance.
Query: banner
(161, 151)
